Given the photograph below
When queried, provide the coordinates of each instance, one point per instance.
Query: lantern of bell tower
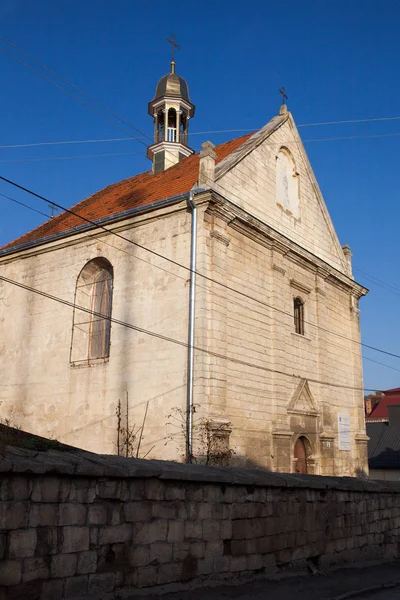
(171, 110)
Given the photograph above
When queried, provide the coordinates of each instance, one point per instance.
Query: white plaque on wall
(344, 432)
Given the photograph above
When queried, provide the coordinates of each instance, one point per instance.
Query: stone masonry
(100, 527)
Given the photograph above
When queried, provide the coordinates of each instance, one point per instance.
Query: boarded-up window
(298, 305)
(159, 162)
(92, 327)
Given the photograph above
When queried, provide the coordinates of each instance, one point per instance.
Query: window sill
(300, 336)
(89, 362)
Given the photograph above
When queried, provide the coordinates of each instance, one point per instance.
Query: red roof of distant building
(390, 398)
(136, 191)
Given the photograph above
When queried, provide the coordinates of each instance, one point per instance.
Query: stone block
(63, 565)
(109, 488)
(254, 562)
(214, 549)
(176, 531)
(19, 488)
(193, 530)
(52, 590)
(48, 540)
(46, 489)
(148, 533)
(154, 489)
(225, 528)
(163, 510)
(147, 577)
(205, 566)
(101, 582)
(87, 562)
(213, 493)
(211, 530)
(138, 556)
(180, 551)
(43, 515)
(10, 572)
(137, 511)
(194, 493)
(175, 492)
(169, 573)
(72, 514)
(243, 529)
(97, 514)
(76, 586)
(238, 563)
(75, 539)
(3, 543)
(137, 490)
(14, 515)
(35, 568)
(222, 564)
(160, 552)
(22, 543)
(82, 491)
(204, 510)
(115, 534)
(30, 590)
(197, 549)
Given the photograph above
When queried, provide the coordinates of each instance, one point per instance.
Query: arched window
(287, 183)
(298, 306)
(91, 330)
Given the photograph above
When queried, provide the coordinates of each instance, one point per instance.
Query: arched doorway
(300, 455)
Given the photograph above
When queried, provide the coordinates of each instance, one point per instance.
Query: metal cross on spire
(174, 45)
(282, 91)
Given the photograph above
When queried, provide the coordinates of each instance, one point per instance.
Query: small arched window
(92, 327)
(298, 306)
(287, 183)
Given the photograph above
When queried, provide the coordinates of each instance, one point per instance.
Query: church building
(202, 310)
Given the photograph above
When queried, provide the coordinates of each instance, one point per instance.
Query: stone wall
(101, 527)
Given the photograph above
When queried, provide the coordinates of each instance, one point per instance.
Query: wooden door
(301, 456)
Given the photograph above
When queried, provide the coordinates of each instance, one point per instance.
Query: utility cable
(173, 340)
(176, 263)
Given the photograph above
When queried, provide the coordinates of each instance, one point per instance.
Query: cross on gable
(173, 45)
(282, 92)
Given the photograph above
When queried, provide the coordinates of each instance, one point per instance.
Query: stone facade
(95, 527)
(254, 374)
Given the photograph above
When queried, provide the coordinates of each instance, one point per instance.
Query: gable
(264, 176)
(303, 401)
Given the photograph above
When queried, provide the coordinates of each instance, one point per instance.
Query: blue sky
(339, 60)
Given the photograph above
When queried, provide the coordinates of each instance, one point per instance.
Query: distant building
(383, 428)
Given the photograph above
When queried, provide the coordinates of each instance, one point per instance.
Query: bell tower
(171, 110)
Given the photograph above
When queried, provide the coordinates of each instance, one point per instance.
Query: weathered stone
(3, 543)
(175, 492)
(114, 534)
(176, 531)
(169, 573)
(48, 540)
(22, 543)
(63, 565)
(109, 489)
(137, 511)
(52, 589)
(205, 566)
(30, 590)
(221, 564)
(147, 577)
(211, 531)
(43, 514)
(214, 549)
(180, 551)
(155, 489)
(72, 514)
(14, 515)
(82, 490)
(97, 514)
(76, 586)
(193, 530)
(254, 562)
(238, 563)
(163, 510)
(225, 529)
(10, 572)
(138, 556)
(101, 582)
(148, 533)
(160, 552)
(46, 489)
(87, 562)
(35, 568)
(76, 539)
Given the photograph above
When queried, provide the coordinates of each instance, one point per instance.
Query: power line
(176, 263)
(173, 340)
(25, 205)
(22, 160)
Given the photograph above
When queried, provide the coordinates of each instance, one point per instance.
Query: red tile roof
(136, 191)
(391, 398)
